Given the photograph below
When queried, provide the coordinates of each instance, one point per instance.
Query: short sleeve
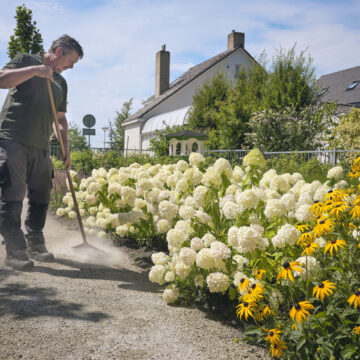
(19, 61)
(63, 105)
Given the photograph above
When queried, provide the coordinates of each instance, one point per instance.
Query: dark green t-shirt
(26, 115)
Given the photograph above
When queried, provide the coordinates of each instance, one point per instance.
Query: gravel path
(76, 308)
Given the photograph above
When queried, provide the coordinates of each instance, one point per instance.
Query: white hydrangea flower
(231, 210)
(223, 166)
(212, 177)
(302, 213)
(241, 261)
(114, 188)
(266, 179)
(217, 282)
(176, 238)
(204, 259)
(321, 192)
(181, 165)
(254, 219)
(185, 226)
(156, 274)
(341, 185)
(248, 199)
(91, 199)
(274, 208)
(289, 201)
(164, 195)
(233, 237)
(248, 238)
(208, 239)
(60, 212)
(187, 256)
(203, 217)
(169, 276)
(182, 270)
(238, 174)
(287, 234)
(170, 295)
(162, 226)
(196, 159)
(72, 214)
(186, 212)
(197, 244)
(168, 210)
(336, 173)
(145, 184)
(309, 264)
(199, 195)
(182, 185)
(279, 184)
(160, 258)
(320, 241)
(122, 230)
(219, 250)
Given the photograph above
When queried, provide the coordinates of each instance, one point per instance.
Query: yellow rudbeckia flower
(333, 245)
(287, 270)
(355, 299)
(324, 288)
(300, 311)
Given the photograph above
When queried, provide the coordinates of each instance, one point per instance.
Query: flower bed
(286, 250)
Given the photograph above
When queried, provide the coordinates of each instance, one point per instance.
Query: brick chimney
(236, 39)
(162, 71)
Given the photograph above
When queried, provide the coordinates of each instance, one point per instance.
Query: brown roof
(337, 84)
(181, 81)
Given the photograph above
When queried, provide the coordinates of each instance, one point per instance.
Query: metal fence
(237, 156)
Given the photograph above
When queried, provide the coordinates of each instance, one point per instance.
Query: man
(25, 129)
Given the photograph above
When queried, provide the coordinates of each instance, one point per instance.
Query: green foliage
(27, 37)
(291, 130)
(311, 169)
(207, 103)
(291, 81)
(160, 144)
(116, 134)
(77, 141)
(346, 135)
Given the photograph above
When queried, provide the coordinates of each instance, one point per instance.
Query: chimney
(235, 40)
(162, 71)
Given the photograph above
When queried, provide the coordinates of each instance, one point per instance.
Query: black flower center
(253, 286)
(271, 333)
(286, 265)
(316, 201)
(321, 285)
(357, 292)
(308, 245)
(297, 306)
(242, 280)
(330, 191)
(246, 304)
(322, 222)
(333, 241)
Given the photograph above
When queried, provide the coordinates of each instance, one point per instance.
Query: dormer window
(353, 85)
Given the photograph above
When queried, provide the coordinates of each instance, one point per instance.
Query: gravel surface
(85, 306)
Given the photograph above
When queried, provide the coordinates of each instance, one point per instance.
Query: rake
(84, 245)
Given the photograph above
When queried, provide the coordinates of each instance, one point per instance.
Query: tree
(291, 81)
(116, 129)
(77, 141)
(291, 130)
(345, 135)
(27, 37)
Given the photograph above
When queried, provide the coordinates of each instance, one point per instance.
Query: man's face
(63, 62)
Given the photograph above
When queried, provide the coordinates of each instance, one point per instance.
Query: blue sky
(121, 37)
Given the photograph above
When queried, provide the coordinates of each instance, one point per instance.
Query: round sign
(89, 120)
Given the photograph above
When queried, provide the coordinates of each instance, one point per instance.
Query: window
(195, 147)
(178, 149)
(353, 85)
(237, 70)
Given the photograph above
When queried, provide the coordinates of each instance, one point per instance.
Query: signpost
(89, 121)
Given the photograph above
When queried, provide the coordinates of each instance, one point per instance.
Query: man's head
(65, 52)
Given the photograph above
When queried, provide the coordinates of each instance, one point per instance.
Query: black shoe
(36, 248)
(18, 260)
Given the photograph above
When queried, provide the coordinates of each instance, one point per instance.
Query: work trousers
(23, 169)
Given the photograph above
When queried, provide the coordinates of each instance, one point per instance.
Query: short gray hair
(68, 44)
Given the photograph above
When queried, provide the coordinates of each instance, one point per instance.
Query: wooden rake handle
(62, 149)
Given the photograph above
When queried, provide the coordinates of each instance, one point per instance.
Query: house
(342, 87)
(171, 102)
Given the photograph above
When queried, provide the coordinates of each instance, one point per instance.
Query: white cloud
(121, 38)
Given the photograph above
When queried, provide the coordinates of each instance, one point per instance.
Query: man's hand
(67, 159)
(45, 71)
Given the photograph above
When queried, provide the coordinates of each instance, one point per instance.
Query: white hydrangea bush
(216, 221)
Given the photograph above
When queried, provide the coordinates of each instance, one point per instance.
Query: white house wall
(132, 137)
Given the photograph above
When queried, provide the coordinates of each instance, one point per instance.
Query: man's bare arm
(63, 125)
(12, 77)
